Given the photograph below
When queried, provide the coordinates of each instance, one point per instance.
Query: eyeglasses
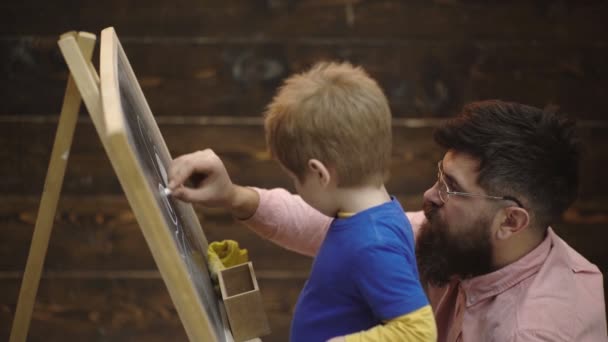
(444, 191)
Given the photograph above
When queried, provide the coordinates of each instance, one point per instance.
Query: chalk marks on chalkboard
(161, 168)
(168, 207)
(188, 249)
(155, 162)
(191, 256)
(152, 151)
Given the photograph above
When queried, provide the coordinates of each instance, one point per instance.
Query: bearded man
(494, 269)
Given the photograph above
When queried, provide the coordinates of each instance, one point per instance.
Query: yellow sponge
(223, 254)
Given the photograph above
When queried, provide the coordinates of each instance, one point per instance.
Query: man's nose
(432, 195)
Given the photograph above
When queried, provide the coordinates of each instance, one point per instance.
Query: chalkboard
(171, 228)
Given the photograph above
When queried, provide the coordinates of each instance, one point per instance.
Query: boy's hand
(200, 177)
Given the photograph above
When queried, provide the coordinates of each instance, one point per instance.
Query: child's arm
(288, 221)
(415, 326)
(291, 223)
(200, 177)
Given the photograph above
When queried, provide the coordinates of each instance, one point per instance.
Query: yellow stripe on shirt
(418, 325)
(344, 214)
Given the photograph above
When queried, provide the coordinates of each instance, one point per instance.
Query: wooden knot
(250, 68)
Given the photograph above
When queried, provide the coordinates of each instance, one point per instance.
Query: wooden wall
(207, 69)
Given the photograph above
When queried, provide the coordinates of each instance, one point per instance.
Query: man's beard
(443, 253)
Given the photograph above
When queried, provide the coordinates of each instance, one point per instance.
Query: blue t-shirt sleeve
(388, 281)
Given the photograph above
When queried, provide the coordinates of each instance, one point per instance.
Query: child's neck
(356, 199)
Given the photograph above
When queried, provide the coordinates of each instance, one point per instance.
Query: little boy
(330, 129)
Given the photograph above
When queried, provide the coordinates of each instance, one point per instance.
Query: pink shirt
(550, 294)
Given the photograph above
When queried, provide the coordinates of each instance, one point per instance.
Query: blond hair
(335, 113)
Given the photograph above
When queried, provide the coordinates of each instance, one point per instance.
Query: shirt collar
(488, 285)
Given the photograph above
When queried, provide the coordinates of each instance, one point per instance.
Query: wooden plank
(242, 147)
(551, 19)
(126, 308)
(420, 78)
(129, 309)
(101, 233)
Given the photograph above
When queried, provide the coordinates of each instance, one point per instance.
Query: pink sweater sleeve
(416, 218)
(288, 221)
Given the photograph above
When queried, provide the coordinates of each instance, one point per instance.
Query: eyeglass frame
(448, 192)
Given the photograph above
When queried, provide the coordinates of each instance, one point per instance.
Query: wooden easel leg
(49, 200)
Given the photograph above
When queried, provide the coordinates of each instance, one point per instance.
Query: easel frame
(52, 189)
(84, 85)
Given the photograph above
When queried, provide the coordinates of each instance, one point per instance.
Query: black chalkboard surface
(140, 157)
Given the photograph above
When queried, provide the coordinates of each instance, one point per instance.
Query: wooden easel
(84, 84)
(50, 194)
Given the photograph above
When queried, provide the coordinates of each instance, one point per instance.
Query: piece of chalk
(167, 191)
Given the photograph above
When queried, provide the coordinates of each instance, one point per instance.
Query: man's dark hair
(524, 152)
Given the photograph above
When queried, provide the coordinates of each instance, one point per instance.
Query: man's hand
(200, 177)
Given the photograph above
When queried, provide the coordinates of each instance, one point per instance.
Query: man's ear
(515, 219)
(320, 171)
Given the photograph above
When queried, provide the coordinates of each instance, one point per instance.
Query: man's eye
(452, 186)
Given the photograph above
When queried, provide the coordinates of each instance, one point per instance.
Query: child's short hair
(335, 113)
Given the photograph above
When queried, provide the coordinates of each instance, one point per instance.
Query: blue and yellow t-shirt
(364, 275)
